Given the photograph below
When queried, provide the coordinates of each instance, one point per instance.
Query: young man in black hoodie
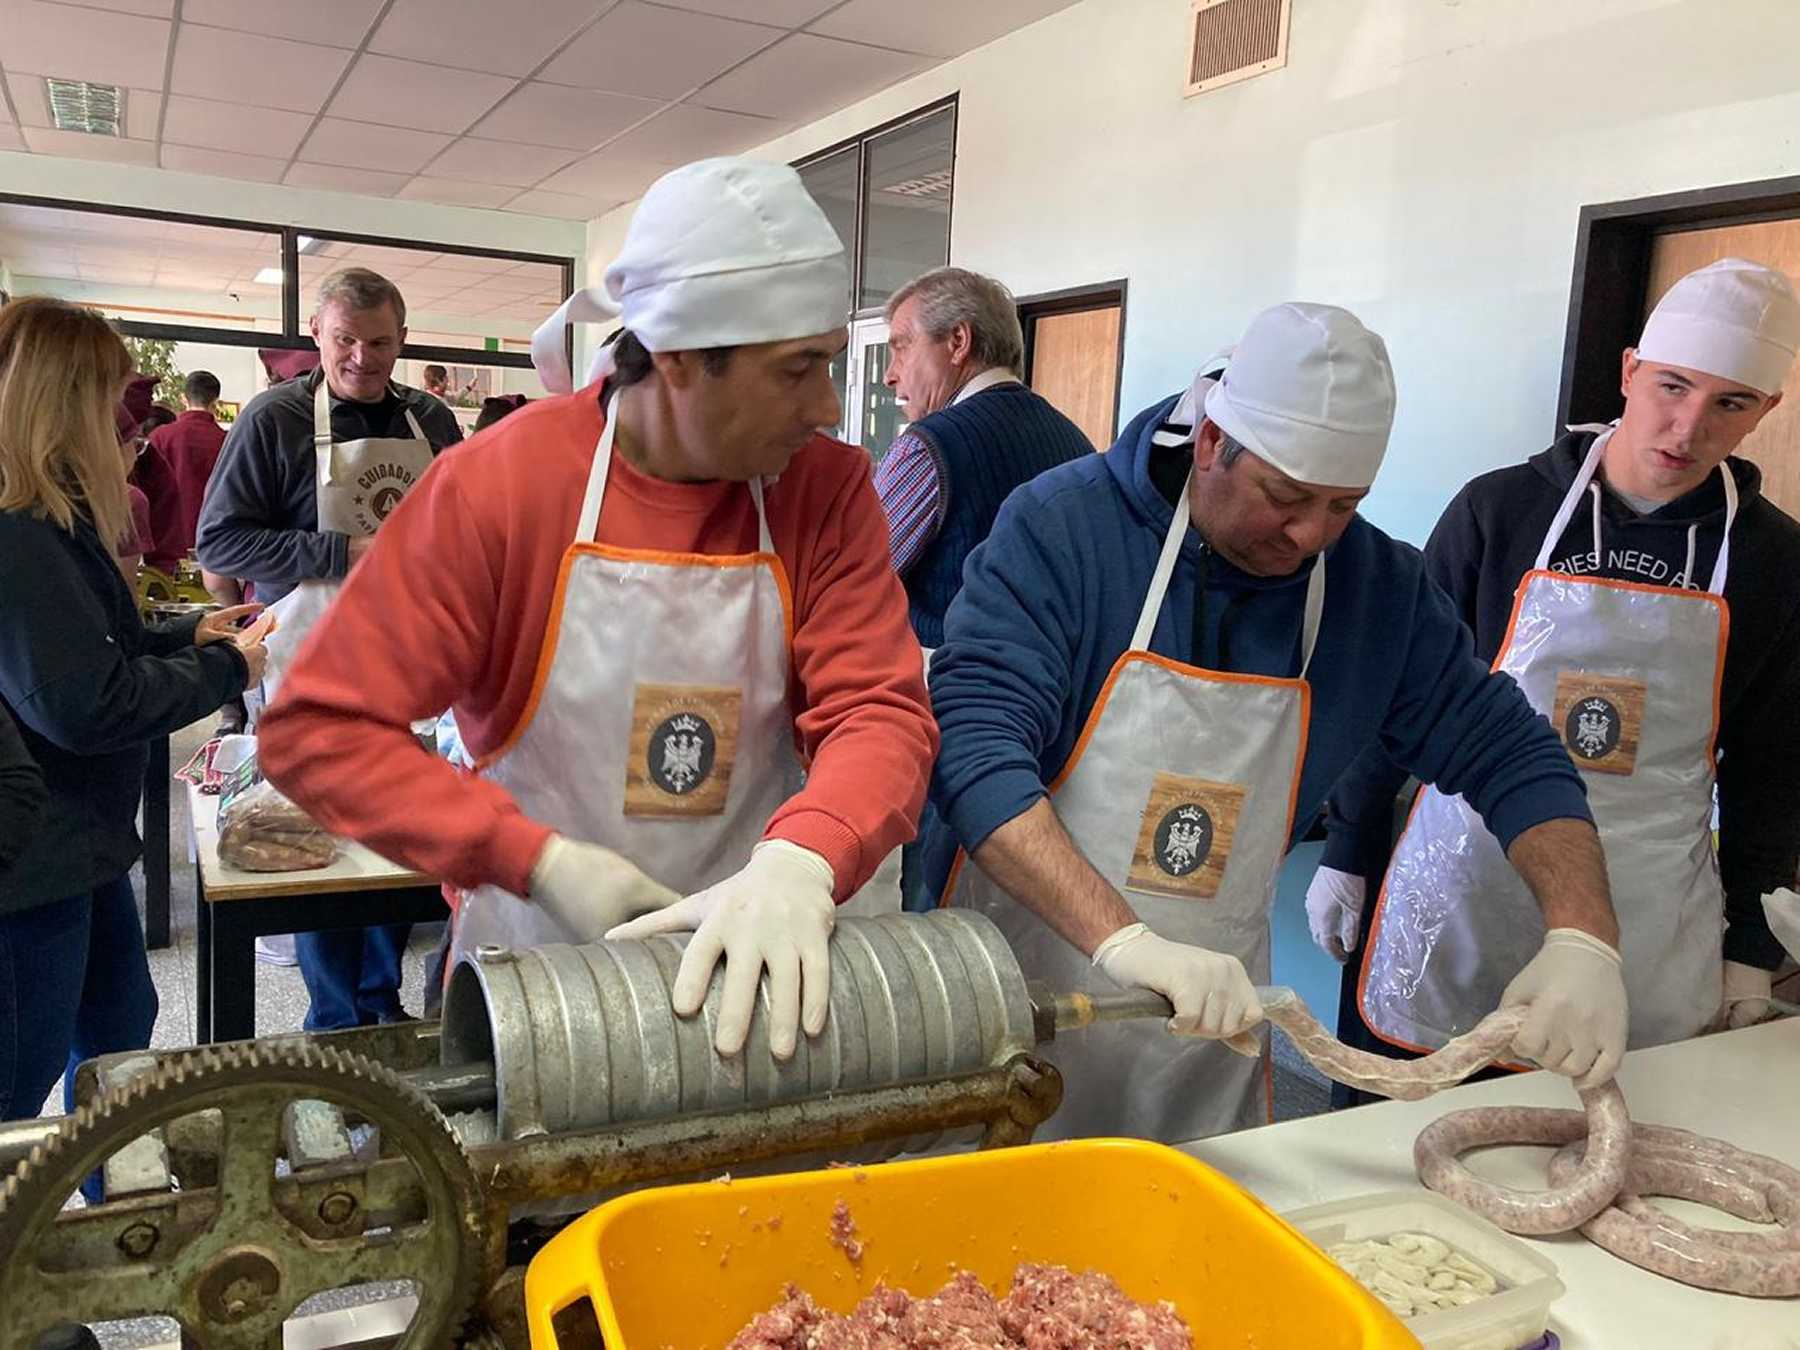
(1619, 643)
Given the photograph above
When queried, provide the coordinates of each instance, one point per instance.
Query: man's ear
(1206, 445)
(678, 370)
(1628, 368)
(962, 342)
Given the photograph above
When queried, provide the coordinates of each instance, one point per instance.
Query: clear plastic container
(1518, 1315)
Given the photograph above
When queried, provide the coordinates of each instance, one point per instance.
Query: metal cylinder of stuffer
(584, 1037)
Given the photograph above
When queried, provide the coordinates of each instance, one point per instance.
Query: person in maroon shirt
(189, 446)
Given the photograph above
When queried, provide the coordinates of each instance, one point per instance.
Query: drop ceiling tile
(224, 163)
(460, 269)
(265, 72)
(83, 44)
(560, 205)
(781, 13)
(554, 114)
(38, 255)
(804, 77)
(363, 145)
(118, 276)
(937, 30)
(211, 283)
(656, 53)
(605, 177)
(332, 23)
(56, 271)
(394, 260)
(143, 109)
(365, 181)
(29, 98)
(209, 125)
(82, 145)
(158, 9)
(683, 133)
(454, 192)
(474, 34)
(134, 259)
(412, 94)
(11, 138)
(502, 163)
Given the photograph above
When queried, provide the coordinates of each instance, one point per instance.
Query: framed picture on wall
(225, 412)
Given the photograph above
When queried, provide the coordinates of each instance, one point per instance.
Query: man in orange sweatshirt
(661, 610)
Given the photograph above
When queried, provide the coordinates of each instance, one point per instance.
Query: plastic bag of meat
(262, 831)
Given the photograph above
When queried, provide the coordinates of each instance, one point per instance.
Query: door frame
(1613, 244)
(1077, 300)
(864, 333)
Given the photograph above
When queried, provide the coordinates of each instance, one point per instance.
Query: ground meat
(843, 1233)
(1048, 1308)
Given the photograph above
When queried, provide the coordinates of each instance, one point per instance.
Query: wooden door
(1075, 365)
(1775, 445)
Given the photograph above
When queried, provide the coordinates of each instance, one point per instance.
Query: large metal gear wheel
(231, 1262)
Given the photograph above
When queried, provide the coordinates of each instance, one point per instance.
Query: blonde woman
(88, 685)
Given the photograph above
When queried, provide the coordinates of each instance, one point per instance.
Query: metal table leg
(156, 846)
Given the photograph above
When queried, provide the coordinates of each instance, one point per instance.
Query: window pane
(832, 183)
(128, 267)
(452, 299)
(906, 226)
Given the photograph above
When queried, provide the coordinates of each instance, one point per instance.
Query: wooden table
(234, 908)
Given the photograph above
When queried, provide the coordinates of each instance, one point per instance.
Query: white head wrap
(1735, 319)
(1309, 390)
(720, 252)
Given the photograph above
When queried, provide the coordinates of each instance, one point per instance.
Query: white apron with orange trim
(1181, 793)
(1628, 675)
(659, 723)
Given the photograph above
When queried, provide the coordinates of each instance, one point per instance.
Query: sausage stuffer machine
(241, 1179)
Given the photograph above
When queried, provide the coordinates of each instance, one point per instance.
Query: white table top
(1742, 1086)
(356, 868)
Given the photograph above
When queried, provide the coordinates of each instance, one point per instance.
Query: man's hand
(1747, 994)
(588, 889)
(1212, 994)
(1575, 990)
(1334, 906)
(776, 912)
(359, 544)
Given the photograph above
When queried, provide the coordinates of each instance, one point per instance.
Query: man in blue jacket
(1161, 660)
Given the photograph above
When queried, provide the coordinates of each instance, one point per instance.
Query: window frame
(293, 335)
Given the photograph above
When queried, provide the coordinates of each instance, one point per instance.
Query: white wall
(1420, 161)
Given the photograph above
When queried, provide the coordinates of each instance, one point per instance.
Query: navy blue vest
(986, 446)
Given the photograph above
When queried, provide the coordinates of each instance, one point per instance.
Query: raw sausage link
(1605, 1167)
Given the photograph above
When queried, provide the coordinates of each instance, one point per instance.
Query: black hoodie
(1489, 538)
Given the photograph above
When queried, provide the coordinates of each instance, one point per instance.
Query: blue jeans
(74, 983)
(353, 975)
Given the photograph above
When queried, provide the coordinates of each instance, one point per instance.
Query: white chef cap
(1735, 319)
(720, 252)
(1309, 390)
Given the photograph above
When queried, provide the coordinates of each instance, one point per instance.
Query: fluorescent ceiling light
(269, 276)
(76, 105)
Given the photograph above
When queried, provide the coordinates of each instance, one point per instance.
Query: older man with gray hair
(310, 469)
(977, 432)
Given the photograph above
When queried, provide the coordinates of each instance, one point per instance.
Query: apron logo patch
(1184, 837)
(681, 753)
(683, 738)
(379, 489)
(1599, 718)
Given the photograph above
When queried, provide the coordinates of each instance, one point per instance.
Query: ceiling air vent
(1235, 39)
(76, 105)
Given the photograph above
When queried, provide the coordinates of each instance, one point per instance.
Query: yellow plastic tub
(685, 1267)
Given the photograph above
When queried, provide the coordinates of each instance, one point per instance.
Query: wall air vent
(76, 105)
(1232, 40)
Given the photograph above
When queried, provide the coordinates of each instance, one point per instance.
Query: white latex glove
(1213, 997)
(1575, 987)
(588, 889)
(776, 912)
(1334, 905)
(1782, 909)
(1747, 994)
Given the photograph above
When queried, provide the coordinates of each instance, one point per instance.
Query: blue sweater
(1048, 604)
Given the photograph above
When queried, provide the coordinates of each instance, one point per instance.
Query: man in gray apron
(1638, 586)
(309, 471)
(1160, 660)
